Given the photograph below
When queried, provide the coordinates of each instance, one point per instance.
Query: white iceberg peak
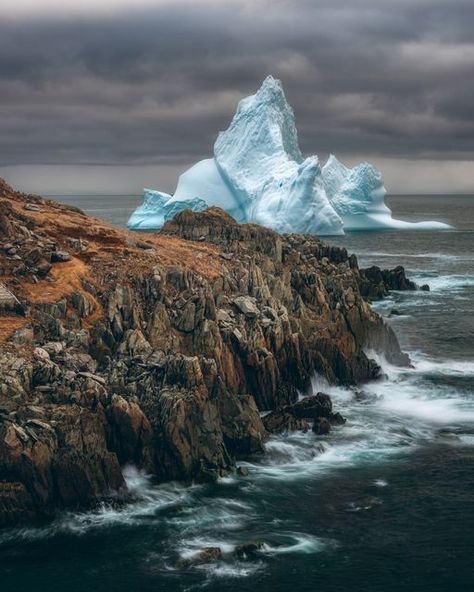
(258, 174)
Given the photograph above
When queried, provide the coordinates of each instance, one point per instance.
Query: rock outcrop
(161, 350)
(298, 416)
(376, 283)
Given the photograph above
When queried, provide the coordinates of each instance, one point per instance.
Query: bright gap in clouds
(64, 8)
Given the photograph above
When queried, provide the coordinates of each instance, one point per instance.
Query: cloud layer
(114, 85)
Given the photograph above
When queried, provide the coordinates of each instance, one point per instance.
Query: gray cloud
(383, 78)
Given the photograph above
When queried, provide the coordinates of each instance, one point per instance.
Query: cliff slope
(159, 349)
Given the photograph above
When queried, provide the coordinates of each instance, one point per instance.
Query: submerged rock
(249, 551)
(207, 555)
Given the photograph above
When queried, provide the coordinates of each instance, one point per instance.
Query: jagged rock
(376, 283)
(279, 422)
(165, 361)
(6, 227)
(247, 306)
(297, 415)
(242, 427)
(131, 433)
(187, 320)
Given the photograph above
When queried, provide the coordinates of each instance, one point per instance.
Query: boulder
(60, 256)
(247, 306)
(321, 426)
(298, 415)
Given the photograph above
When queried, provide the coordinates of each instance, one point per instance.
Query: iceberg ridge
(258, 174)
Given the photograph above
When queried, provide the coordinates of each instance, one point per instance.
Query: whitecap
(441, 283)
(296, 542)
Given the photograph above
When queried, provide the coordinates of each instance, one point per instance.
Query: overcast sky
(113, 95)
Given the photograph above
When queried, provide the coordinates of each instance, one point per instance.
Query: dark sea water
(387, 506)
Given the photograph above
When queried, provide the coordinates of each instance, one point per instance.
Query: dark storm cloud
(155, 84)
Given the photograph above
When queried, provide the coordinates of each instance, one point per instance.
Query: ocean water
(384, 503)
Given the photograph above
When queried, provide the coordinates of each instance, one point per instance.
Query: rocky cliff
(161, 350)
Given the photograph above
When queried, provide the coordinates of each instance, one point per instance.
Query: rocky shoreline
(164, 350)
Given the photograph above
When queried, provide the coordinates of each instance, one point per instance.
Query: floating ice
(358, 196)
(258, 174)
(158, 207)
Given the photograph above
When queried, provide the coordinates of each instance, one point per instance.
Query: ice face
(204, 181)
(158, 207)
(259, 157)
(258, 174)
(358, 196)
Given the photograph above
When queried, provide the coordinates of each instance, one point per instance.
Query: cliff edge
(159, 350)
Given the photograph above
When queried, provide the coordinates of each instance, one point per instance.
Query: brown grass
(68, 279)
(199, 257)
(9, 324)
(111, 253)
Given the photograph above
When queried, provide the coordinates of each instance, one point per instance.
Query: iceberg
(258, 174)
(158, 207)
(358, 196)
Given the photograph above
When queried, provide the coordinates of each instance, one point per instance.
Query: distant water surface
(386, 507)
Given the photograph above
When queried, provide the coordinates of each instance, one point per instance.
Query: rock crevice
(163, 352)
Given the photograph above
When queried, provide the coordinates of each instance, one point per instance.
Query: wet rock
(298, 415)
(242, 471)
(366, 397)
(249, 551)
(321, 426)
(425, 288)
(242, 427)
(375, 283)
(337, 419)
(207, 555)
(131, 433)
(279, 422)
